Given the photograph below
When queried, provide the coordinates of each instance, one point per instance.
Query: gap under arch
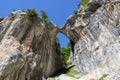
(64, 40)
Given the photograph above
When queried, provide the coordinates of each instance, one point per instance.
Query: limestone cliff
(28, 50)
(95, 32)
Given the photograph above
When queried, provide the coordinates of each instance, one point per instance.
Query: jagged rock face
(96, 37)
(28, 50)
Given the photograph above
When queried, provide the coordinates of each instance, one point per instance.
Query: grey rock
(114, 76)
(28, 50)
(96, 48)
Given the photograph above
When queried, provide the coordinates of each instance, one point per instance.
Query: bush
(103, 77)
(44, 16)
(75, 12)
(83, 3)
(65, 52)
(31, 14)
(72, 72)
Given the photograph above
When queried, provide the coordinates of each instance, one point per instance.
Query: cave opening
(65, 47)
(63, 39)
(65, 52)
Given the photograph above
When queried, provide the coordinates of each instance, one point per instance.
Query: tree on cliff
(44, 16)
(32, 14)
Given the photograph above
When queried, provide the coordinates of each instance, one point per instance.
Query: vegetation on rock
(83, 3)
(65, 52)
(44, 16)
(31, 14)
(103, 77)
(72, 72)
(75, 12)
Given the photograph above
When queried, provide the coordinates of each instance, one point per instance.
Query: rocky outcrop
(95, 32)
(28, 50)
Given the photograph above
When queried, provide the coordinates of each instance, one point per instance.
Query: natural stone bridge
(29, 51)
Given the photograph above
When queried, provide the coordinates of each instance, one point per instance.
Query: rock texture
(95, 32)
(28, 50)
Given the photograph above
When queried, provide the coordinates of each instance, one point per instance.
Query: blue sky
(57, 10)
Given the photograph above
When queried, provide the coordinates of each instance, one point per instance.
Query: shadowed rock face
(28, 50)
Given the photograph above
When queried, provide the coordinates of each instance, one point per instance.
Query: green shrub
(75, 12)
(65, 52)
(44, 16)
(103, 77)
(83, 3)
(72, 72)
(31, 14)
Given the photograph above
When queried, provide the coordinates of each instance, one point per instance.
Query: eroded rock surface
(96, 36)
(28, 50)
